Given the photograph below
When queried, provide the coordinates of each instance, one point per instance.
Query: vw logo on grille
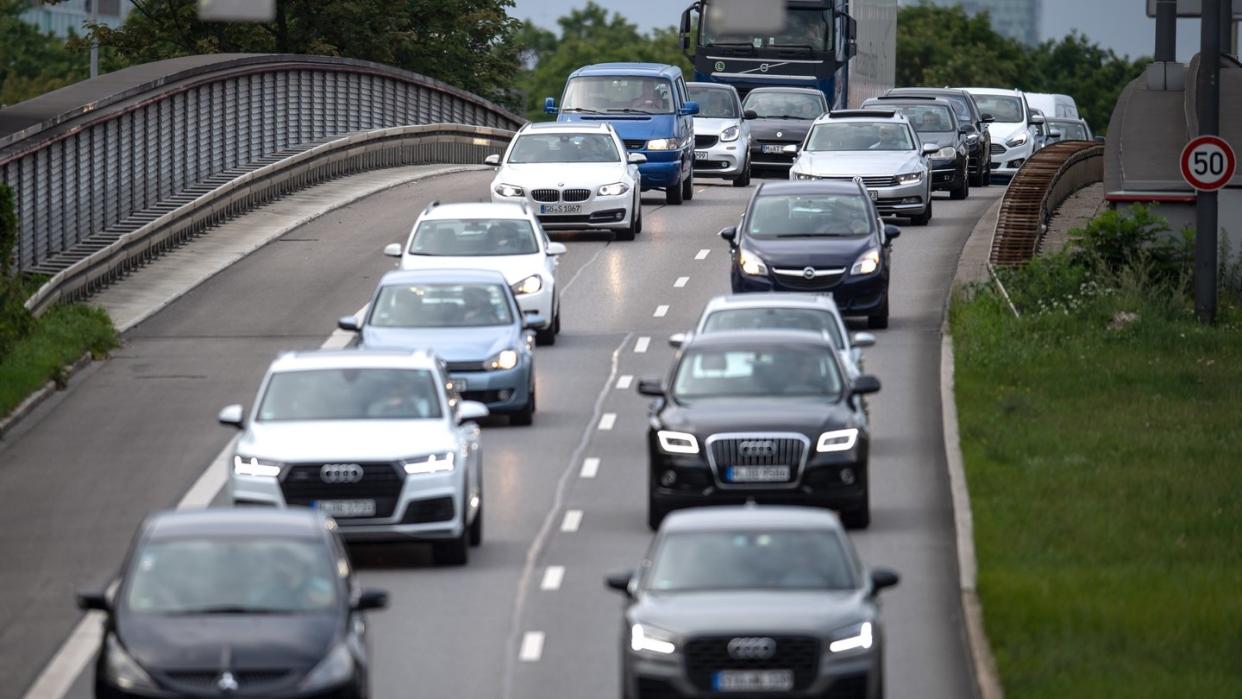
(752, 648)
(757, 448)
(227, 684)
(340, 473)
(808, 273)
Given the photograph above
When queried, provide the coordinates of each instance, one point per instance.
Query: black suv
(967, 112)
(933, 120)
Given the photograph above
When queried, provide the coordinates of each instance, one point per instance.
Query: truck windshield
(618, 95)
(804, 28)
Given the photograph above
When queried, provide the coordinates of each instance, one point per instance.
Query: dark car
(780, 117)
(933, 120)
(758, 415)
(967, 112)
(234, 603)
(821, 236)
(756, 600)
(1068, 130)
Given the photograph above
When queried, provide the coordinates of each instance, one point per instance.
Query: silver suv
(378, 440)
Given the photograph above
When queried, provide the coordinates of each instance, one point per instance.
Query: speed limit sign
(1208, 163)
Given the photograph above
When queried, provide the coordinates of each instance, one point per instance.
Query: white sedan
(573, 176)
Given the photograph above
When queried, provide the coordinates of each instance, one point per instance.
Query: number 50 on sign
(1208, 163)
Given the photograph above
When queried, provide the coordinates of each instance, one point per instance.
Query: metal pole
(1209, 125)
(1226, 26)
(1166, 30)
(92, 9)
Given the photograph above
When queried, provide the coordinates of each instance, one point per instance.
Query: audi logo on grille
(752, 648)
(340, 473)
(757, 448)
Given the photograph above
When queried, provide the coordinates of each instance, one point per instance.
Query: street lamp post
(1209, 125)
(92, 10)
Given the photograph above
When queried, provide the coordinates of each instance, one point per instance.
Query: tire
(629, 231)
(655, 513)
(743, 180)
(673, 195)
(638, 211)
(526, 415)
(924, 218)
(858, 517)
(962, 190)
(454, 552)
(879, 320)
(556, 320)
(687, 187)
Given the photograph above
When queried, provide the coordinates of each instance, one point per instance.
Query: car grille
(796, 280)
(706, 656)
(705, 141)
(997, 149)
(249, 682)
(464, 366)
(380, 481)
(545, 195)
(635, 145)
(880, 181)
(429, 510)
(576, 194)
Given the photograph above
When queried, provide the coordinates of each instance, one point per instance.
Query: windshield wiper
(628, 110)
(786, 116)
(581, 110)
(230, 609)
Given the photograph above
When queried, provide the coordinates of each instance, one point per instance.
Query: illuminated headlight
(442, 462)
(856, 637)
(509, 190)
(837, 440)
(648, 639)
(502, 360)
(614, 189)
(528, 285)
(255, 467)
(663, 144)
(1018, 140)
(678, 442)
(867, 263)
(910, 178)
(946, 152)
(730, 134)
(750, 263)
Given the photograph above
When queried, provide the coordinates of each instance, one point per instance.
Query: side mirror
(371, 599)
(232, 416)
(557, 249)
(651, 387)
(1054, 134)
(1100, 139)
(93, 600)
(349, 324)
(987, 118)
(470, 410)
(493, 159)
(863, 340)
(636, 158)
(533, 321)
(690, 108)
(882, 578)
(966, 129)
(677, 340)
(929, 148)
(790, 149)
(866, 384)
(750, 114)
(1037, 119)
(620, 582)
(729, 234)
(891, 232)
(393, 250)
(549, 105)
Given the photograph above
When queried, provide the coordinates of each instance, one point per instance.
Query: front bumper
(854, 295)
(349, 690)
(761, 159)
(663, 168)
(857, 676)
(501, 391)
(1007, 161)
(948, 174)
(902, 200)
(721, 158)
(540, 303)
(610, 213)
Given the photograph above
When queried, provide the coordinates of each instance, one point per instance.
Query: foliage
(58, 338)
(32, 63)
(15, 321)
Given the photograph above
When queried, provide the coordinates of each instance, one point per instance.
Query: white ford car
(573, 176)
(503, 237)
(1013, 128)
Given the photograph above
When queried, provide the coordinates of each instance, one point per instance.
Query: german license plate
(757, 474)
(700, 155)
(346, 508)
(753, 681)
(560, 208)
(774, 149)
(873, 194)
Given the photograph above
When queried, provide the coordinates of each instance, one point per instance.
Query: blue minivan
(647, 104)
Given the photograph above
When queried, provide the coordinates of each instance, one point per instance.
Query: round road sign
(1208, 163)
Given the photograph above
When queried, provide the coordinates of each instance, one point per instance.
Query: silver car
(378, 440)
(721, 134)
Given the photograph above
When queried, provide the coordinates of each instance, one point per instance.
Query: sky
(1121, 25)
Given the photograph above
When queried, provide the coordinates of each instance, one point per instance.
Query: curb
(34, 400)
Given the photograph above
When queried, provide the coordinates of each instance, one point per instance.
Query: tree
(32, 63)
(1092, 75)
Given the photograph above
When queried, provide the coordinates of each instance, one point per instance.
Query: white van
(1053, 106)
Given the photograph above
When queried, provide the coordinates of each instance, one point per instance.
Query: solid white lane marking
(703, 254)
(660, 311)
(607, 420)
(681, 282)
(210, 482)
(552, 578)
(642, 344)
(532, 647)
(625, 382)
(590, 467)
(572, 520)
(340, 339)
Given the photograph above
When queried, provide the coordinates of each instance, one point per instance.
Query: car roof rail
(863, 113)
(898, 98)
(434, 203)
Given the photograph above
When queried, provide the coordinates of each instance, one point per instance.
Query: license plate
(873, 194)
(753, 680)
(560, 208)
(346, 508)
(700, 155)
(774, 149)
(757, 474)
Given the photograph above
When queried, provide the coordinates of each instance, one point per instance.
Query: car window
(618, 94)
(860, 136)
(775, 318)
(784, 105)
(350, 394)
(563, 148)
(750, 560)
(810, 215)
(928, 118)
(776, 372)
(1003, 108)
(480, 237)
(714, 102)
(440, 306)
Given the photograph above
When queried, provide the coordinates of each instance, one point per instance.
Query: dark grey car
(756, 601)
(780, 117)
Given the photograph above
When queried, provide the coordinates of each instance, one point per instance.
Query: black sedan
(234, 603)
(780, 117)
(822, 236)
(934, 122)
(767, 416)
(972, 122)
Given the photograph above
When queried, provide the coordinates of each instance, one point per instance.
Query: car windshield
(796, 559)
(440, 306)
(1070, 131)
(620, 94)
(1005, 109)
(714, 102)
(350, 394)
(860, 136)
(804, 28)
(480, 237)
(251, 575)
(563, 148)
(775, 318)
(810, 216)
(784, 105)
(961, 107)
(769, 372)
(926, 118)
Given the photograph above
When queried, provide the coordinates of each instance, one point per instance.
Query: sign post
(1206, 160)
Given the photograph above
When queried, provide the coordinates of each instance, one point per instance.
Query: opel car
(934, 123)
(721, 134)
(753, 601)
(503, 237)
(768, 416)
(779, 120)
(244, 603)
(573, 176)
(972, 122)
(882, 149)
(377, 440)
(1012, 127)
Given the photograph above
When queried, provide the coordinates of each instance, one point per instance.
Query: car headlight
(337, 668)
(528, 285)
(910, 177)
(730, 134)
(510, 190)
(243, 466)
(663, 144)
(801, 176)
(750, 263)
(648, 639)
(440, 462)
(854, 637)
(122, 671)
(946, 152)
(1018, 140)
(867, 263)
(614, 189)
(502, 361)
(837, 440)
(678, 442)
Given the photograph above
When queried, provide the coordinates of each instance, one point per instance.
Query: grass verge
(57, 338)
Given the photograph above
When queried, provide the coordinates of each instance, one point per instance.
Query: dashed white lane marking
(681, 282)
(625, 382)
(590, 467)
(572, 520)
(660, 311)
(703, 254)
(642, 344)
(532, 647)
(552, 577)
(607, 420)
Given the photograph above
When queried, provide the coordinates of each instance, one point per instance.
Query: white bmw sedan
(573, 176)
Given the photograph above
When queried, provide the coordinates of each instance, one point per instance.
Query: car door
(685, 125)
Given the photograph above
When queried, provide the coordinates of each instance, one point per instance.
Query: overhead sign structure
(1192, 8)
(1208, 163)
(746, 17)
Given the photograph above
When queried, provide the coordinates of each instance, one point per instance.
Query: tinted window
(563, 148)
(350, 394)
(769, 372)
(714, 103)
(775, 319)
(784, 105)
(960, 103)
(440, 306)
(929, 118)
(619, 94)
(859, 136)
(809, 215)
(474, 237)
(1070, 131)
(1003, 108)
(770, 560)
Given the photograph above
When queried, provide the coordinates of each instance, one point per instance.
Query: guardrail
(392, 147)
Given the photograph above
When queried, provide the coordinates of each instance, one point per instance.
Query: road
(138, 430)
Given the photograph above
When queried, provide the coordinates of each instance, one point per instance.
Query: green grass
(1105, 471)
(59, 337)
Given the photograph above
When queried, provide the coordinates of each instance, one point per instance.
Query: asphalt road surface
(529, 617)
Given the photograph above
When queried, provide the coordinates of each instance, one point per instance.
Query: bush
(15, 320)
